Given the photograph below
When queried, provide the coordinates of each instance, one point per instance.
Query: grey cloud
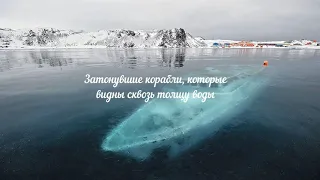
(227, 19)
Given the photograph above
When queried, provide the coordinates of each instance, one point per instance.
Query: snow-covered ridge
(50, 37)
(121, 38)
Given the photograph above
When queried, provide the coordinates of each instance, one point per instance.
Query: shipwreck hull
(180, 126)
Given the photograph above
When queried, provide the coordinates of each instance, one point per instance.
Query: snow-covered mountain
(200, 38)
(50, 37)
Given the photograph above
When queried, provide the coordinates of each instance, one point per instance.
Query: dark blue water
(52, 126)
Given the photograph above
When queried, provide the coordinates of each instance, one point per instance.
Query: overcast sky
(223, 19)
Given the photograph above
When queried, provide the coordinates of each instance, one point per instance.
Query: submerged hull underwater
(179, 126)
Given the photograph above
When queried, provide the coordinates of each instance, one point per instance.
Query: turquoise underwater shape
(178, 125)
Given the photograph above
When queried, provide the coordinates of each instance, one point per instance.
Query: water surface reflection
(133, 58)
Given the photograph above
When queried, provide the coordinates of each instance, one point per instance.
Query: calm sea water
(52, 126)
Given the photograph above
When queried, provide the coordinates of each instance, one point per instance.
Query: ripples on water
(51, 125)
(11, 60)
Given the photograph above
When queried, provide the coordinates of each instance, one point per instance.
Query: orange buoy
(265, 63)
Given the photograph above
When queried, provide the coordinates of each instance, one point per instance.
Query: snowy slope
(50, 37)
(209, 43)
(172, 38)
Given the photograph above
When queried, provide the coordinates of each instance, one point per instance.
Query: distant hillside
(50, 37)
